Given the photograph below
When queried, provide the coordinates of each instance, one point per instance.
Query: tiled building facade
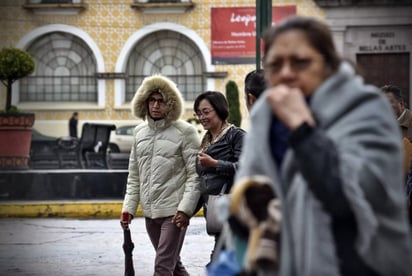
(91, 55)
(109, 31)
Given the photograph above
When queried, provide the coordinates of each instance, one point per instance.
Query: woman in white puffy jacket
(162, 176)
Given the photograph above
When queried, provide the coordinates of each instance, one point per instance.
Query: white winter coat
(162, 176)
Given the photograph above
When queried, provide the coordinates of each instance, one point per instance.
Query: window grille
(65, 71)
(170, 54)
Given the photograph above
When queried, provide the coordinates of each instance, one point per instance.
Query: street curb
(65, 209)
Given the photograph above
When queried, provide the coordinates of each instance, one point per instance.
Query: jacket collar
(158, 124)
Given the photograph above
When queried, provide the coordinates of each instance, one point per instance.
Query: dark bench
(93, 144)
(88, 152)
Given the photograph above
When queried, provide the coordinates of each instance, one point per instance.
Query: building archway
(169, 49)
(67, 58)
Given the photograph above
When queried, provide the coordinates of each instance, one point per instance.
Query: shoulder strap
(229, 138)
(222, 192)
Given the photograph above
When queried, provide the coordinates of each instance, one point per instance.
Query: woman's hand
(205, 160)
(181, 220)
(289, 106)
(125, 220)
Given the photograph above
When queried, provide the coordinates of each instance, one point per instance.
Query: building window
(53, 1)
(163, 1)
(69, 7)
(65, 71)
(171, 54)
(163, 6)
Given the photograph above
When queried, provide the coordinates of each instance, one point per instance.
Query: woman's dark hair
(317, 34)
(255, 82)
(218, 102)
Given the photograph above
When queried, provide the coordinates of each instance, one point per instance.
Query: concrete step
(73, 184)
(66, 209)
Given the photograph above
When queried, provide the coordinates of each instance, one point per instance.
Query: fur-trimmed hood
(169, 91)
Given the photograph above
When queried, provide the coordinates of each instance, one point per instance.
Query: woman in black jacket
(220, 148)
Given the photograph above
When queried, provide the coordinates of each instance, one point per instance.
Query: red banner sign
(234, 33)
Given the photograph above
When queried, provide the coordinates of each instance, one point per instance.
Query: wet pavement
(58, 246)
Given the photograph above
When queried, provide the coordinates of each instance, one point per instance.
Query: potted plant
(15, 127)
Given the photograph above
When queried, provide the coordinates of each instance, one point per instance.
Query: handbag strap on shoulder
(223, 189)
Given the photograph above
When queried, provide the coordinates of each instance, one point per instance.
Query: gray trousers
(167, 240)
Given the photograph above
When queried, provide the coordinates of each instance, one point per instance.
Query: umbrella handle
(125, 220)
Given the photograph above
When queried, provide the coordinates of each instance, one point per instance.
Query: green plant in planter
(232, 95)
(15, 127)
(14, 64)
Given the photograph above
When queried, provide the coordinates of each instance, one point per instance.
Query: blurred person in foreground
(255, 85)
(334, 159)
(162, 175)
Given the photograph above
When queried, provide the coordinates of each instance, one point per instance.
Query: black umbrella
(128, 246)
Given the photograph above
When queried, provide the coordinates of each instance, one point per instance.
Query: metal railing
(58, 88)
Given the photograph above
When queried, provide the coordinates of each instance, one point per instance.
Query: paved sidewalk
(89, 247)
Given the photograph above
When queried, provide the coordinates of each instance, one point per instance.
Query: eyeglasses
(204, 112)
(159, 101)
(296, 64)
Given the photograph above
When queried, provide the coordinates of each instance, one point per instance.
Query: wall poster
(234, 33)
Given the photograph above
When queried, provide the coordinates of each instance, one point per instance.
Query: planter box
(15, 139)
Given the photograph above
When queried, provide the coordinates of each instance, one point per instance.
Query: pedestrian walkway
(88, 247)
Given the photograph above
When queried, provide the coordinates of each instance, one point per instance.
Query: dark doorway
(381, 69)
